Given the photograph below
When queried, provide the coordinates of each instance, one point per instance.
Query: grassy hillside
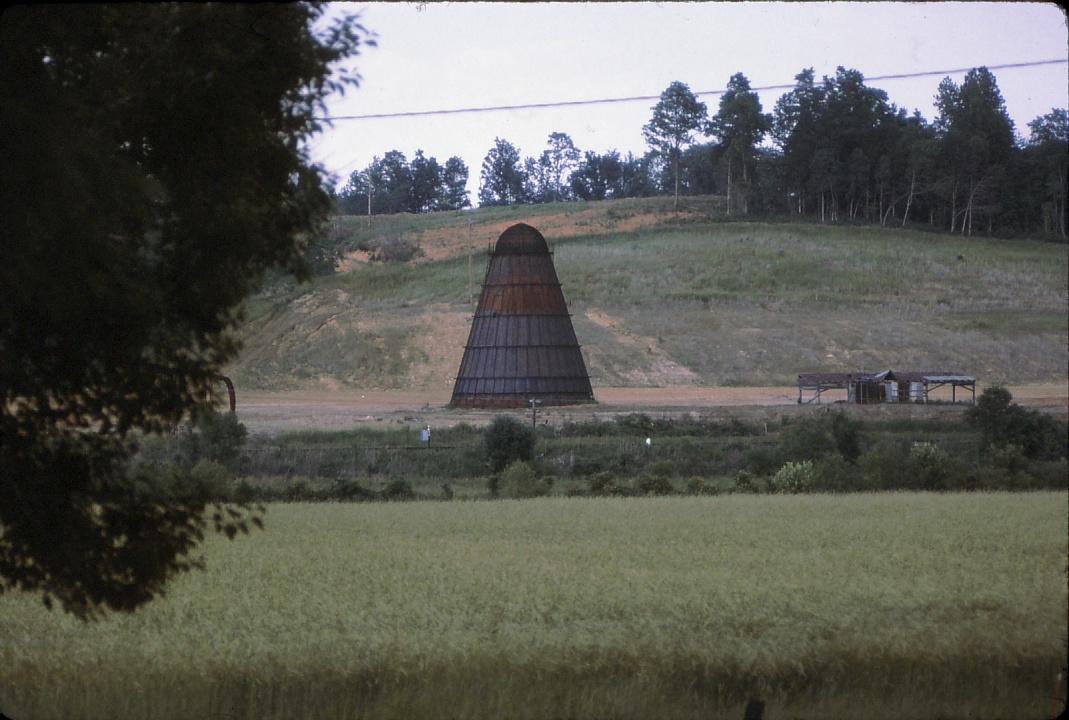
(660, 298)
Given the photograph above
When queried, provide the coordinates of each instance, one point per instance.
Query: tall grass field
(893, 605)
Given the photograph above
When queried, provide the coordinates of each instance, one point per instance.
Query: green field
(870, 605)
(682, 299)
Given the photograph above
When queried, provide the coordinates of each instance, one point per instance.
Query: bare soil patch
(443, 243)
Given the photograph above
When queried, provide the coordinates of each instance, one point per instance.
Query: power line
(636, 98)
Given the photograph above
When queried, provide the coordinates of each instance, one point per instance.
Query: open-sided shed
(886, 386)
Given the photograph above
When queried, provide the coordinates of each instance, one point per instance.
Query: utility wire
(636, 98)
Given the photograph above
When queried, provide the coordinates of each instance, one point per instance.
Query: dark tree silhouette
(153, 171)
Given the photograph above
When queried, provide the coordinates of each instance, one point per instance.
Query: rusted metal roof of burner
(521, 239)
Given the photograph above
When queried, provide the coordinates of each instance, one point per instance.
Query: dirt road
(271, 413)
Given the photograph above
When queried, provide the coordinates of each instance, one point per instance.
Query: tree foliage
(153, 171)
(977, 144)
(837, 150)
(739, 126)
(560, 158)
(396, 185)
(676, 117)
(1003, 423)
(507, 440)
(1047, 167)
(502, 179)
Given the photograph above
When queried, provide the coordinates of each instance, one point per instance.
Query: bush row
(999, 446)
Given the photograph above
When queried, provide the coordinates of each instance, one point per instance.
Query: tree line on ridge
(833, 150)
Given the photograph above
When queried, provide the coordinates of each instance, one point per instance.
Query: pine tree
(676, 117)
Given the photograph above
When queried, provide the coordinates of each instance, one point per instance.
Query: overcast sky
(434, 56)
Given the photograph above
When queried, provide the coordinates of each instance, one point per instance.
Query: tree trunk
(953, 206)
(675, 201)
(909, 199)
(745, 193)
(889, 212)
(729, 186)
(967, 220)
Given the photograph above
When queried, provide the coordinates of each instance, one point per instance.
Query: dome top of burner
(521, 239)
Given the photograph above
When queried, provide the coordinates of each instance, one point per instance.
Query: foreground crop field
(885, 605)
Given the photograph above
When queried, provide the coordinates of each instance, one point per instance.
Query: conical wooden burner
(522, 346)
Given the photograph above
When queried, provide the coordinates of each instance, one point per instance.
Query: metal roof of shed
(841, 379)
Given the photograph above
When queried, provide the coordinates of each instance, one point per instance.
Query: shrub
(1007, 457)
(661, 468)
(394, 249)
(793, 477)
(697, 485)
(930, 468)
(157, 449)
(587, 466)
(519, 480)
(298, 492)
(989, 413)
(350, 490)
(636, 424)
(214, 436)
(745, 482)
(210, 479)
(1051, 474)
(507, 440)
(883, 467)
(847, 436)
(835, 474)
(1002, 422)
(604, 483)
(988, 478)
(398, 490)
(761, 461)
(324, 249)
(246, 493)
(807, 439)
(654, 485)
